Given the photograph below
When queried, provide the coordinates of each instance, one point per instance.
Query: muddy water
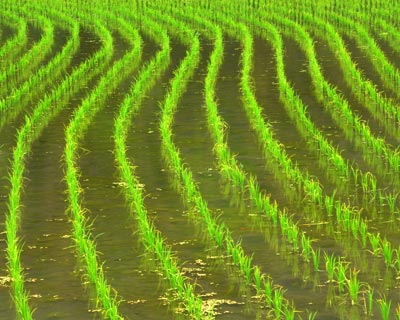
(391, 54)
(14, 118)
(371, 74)
(235, 213)
(6, 33)
(331, 70)
(267, 95)
(346, 148)
(332, 73)
(7, 138)
(365, 65)
(269, 252)
(55, 285)
(191, 121)
(103, 197)
(164, 202)
(50, 262)
(34, 35)
(302, 84)
(322, 119)
(241, 138)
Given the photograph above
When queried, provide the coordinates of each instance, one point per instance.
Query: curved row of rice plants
(199, 159)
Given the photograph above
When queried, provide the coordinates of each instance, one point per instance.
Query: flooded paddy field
(199, 160)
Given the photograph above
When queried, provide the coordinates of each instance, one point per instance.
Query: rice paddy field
(199, 159)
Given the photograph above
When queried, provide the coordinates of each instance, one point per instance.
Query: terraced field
(199, 159)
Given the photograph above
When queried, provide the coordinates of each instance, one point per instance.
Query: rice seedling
(353, 286)
(258, 277)
(375, 241)
(316, 255)
(340, 273)
(370, 295)
(277, 302)
(289, 313)
(329, 204)
(384, 306)
(363, 233)
(311, 315)
(268, 291)
(387, 252)
(330, 263)
(306, 247)
(391, 202)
